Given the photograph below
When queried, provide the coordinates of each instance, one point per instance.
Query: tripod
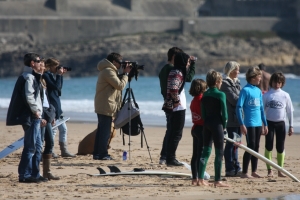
(137, 119)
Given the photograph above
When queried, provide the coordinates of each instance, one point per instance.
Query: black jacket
(54, 87)
(19, 112)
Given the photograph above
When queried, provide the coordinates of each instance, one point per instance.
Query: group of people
(35, 104)
(221, 106)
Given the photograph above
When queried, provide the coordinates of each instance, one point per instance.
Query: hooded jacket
(25, 100)
(108, 97)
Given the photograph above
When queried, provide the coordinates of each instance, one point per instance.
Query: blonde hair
(212, 77)
(252, 72)
(230, 66)
(50, 62)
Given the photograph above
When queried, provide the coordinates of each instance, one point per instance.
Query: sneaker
(106, 158)
(42, 179)
(174, 163)
(162, 161)
(29, 180)
(230, 174)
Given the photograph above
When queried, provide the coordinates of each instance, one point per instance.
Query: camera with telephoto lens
(66, 68)
(135, 67)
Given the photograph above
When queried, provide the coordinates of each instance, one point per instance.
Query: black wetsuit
(214, 113)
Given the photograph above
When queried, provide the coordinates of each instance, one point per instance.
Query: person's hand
(175, 105)
(37, 114)
(43, 122)
(291, 131)
(53, 122)
(127, 69)
(265, 130)
(61, 71)
(243, 129)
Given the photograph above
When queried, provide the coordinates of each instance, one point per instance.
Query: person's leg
(37, 156)
(63, 143)
(163, 153)
(102, 137)
(280, 140)
(250, 139)
(254, 160)
(25, 165)
(207, 146)
(177, 124)
(228, 154)
(269, 141)
(235, 153)
(195, 157)
(49, 142)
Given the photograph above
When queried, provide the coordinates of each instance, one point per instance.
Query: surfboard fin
(101, 171)
(114, 169)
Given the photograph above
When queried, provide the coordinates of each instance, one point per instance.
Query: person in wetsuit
(214, 114)
(277, 105)
(250, 106)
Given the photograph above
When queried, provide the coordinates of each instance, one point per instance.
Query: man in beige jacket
(108, 99)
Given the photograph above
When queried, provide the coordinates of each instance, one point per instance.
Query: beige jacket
(108, 97)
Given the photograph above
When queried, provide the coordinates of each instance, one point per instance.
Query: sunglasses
(37, 61)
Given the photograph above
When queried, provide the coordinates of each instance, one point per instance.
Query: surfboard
(20, 142)
(115, 171)
(206, 175)
(257, 155)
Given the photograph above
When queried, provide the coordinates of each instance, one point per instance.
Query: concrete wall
(53, 29)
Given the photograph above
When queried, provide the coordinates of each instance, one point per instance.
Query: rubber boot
(46, 167)
(64, 150)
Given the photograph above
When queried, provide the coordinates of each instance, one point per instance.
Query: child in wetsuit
(214, 114)
(197, 89)
(276, 104)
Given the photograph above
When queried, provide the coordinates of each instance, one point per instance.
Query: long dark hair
(180, 62)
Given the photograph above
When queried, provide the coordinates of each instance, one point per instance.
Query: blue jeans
(47, 136)
(163, 153)
(31, 154)
(231, 152)
(62, 131)
(102, 136)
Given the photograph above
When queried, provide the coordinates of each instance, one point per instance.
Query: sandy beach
(76, 184)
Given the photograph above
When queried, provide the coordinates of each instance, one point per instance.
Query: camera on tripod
(135, 67)
(66, 68)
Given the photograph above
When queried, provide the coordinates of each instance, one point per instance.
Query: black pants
(47, 136)
(177, 120)
(277, 128)
(252, 138)
(163, 153)
(197, 149)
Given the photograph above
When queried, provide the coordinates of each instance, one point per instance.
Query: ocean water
(78, 98)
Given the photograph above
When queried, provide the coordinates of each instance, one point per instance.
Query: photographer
(108, 99)
(54, 80)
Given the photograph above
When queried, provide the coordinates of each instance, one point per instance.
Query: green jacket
(108, 97)
(164, 73)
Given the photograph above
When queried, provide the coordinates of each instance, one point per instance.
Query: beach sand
(76, 184)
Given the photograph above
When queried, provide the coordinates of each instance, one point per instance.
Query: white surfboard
(262, 158)
(206, 175)
(20, 142)
(146, 172)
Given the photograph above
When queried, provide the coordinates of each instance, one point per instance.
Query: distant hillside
(213, 51)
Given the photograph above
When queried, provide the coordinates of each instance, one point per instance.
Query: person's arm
(231, 96)
(30, 97)
(53, 84)
(262, 112)
(112, 78)
(290, 115)
(224, 109)
(190, 73)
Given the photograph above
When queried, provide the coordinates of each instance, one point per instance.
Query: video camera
(134, 69)
(66, 68)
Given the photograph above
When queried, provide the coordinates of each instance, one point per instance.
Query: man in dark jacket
(26, 109)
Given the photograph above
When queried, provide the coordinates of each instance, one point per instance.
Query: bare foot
(246, 176)
(195, 182)
(256, 175)
(280, 174)
(270, 173)
(220, 184)
(202, 182)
